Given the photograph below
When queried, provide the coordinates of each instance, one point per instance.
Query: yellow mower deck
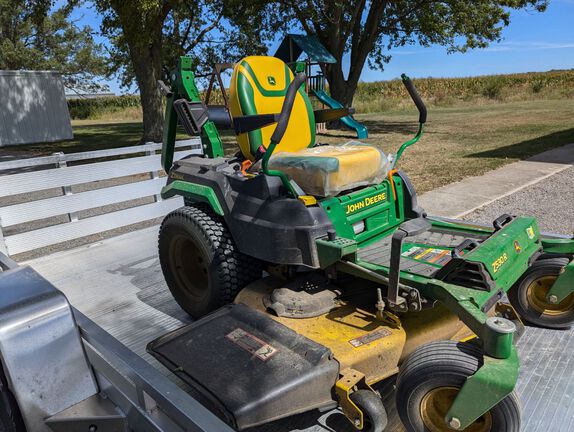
(356, 337)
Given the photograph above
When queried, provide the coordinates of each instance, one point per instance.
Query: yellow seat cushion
(329, 170)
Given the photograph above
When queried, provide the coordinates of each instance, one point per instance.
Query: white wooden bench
(76, 180)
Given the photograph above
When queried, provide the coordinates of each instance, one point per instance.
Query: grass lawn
(466, 141)
(459, 141)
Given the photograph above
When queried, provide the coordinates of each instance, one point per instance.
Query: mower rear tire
(429, 381)
(374, 413)
(528, 295)
(201, 264)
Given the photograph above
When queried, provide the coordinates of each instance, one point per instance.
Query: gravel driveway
(551, 201)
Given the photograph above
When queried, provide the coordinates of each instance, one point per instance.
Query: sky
(533, 42)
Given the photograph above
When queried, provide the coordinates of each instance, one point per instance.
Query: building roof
(294, 45)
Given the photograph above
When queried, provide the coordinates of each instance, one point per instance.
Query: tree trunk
(147, 70)
(363, 37)
(142, 25)
(341, 89)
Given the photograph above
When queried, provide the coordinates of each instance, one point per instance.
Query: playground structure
(291, 49)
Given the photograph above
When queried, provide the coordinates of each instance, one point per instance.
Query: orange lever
(391, 172)
(245, 165)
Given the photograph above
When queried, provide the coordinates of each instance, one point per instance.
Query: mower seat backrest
(258, 86)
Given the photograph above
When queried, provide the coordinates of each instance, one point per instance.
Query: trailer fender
(41, 350)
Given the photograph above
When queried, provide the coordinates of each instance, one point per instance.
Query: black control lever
(501, 220)
(416, 98)
(466, 244)
(409, 228)
(288, 102)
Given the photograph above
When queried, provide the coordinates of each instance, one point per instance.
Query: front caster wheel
(374, 414)
(429, 381)
(528, 295)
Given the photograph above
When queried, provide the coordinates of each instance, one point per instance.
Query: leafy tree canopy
(36, 37)
(149, 34)
(368, 30)
(209, 31)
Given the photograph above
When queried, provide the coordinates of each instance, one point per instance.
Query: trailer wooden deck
(118, 283)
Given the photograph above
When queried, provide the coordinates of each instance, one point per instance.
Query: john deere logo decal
(366, 202)
(517, 247)
(271, 80)
(530, 232)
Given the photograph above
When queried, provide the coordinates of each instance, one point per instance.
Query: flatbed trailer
(128, 306)
(118, 302)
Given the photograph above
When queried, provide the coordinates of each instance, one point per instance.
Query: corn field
(384, 95)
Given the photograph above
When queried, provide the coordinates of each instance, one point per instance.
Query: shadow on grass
(531, 147)
(387, 127)
(374, 127)
(86, 138)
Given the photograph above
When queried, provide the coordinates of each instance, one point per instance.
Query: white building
(33, 108)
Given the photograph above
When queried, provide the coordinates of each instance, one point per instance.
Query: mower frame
(497, 377)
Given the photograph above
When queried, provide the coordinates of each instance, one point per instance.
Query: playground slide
(348, 121)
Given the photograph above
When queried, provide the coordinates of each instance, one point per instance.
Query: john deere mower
(313, 274)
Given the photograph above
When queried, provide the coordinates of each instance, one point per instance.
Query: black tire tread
(372, 406)
(233, 269)
(449, 358)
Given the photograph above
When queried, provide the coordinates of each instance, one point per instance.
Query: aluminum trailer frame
(68, 374)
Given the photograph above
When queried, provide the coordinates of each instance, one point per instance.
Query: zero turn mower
(314, 274)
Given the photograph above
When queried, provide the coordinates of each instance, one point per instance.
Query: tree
(34, 37)
(368, 29)
(148, 34)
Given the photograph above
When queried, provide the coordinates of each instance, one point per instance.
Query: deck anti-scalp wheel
(528, 295)
(374, 413)
(201, 265)
(429, 381)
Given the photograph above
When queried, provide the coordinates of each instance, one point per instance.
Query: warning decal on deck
(370, 337)
(430, 255)
(260, 349)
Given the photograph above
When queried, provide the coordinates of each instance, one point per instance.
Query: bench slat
(31, 240)
(194, 143)
(68, 176)
(60, 205)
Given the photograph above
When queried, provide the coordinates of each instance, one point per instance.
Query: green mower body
(405, 263)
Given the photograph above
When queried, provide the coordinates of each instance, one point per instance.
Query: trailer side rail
(152, 401)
